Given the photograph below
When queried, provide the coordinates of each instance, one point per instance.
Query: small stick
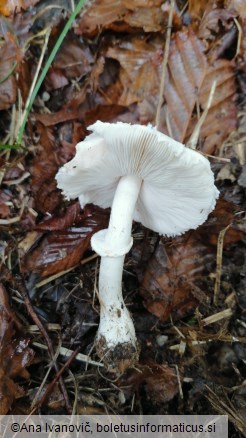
(53, 382)
(164, 64)
(219, 263)
(195, 135)
(240, 34)
(227, 313)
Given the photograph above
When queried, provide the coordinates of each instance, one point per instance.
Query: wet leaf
(71, 215)
(15, 355)
(63, 248)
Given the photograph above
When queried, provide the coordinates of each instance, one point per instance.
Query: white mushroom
(143, 175)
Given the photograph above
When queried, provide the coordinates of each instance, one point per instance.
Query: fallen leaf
(63, 248)
(74, 59)
(8, 7)
(10, 56)
(15, 355)
(159, 381)
(213, 21)
(186, 72)
(237, 6)
(197, 8)
(221, 119)
(140, 67)
(121, 16)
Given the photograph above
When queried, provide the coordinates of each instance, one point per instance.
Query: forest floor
(121, 61)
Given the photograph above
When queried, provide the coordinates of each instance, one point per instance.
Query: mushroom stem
(116, 338)
(125, 198)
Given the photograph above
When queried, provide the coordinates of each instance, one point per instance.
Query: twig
(164, 64)
(219, 263)
(195, 135)
(227, 313)
(240, 34)
(56, 378)
(179, 382)
(67, 352)
(35, 318)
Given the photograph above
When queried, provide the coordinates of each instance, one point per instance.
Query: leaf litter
(109, 67)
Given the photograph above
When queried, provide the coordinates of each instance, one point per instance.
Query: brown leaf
(100, 14)
(59, 117)
(74, 59)
(140, 68)
(151, 19)
(105, 113)
(8, 7)
(10, 55)
(212, 21)
(72, 213)
(238, 6)
(185, 74)
(221, 119)
(188, 82)
(44, 167)
(15, 355)
(172, 282)
(121, 16)
(197, 8)
(62, 249)
(159, 381)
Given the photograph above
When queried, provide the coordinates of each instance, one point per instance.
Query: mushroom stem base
(116, 339)
(118, 358)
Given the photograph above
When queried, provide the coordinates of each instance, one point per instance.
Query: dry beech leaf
(172, 283)
(197, 8)
(100, 14)
(186, 71)
(15, 355)
(221, 119)
(68, 238)
(213, 20)
(122, 15)
(151, 19)
(140, 68)
(189, 82)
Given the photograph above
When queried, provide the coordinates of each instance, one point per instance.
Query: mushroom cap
(177, 192)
